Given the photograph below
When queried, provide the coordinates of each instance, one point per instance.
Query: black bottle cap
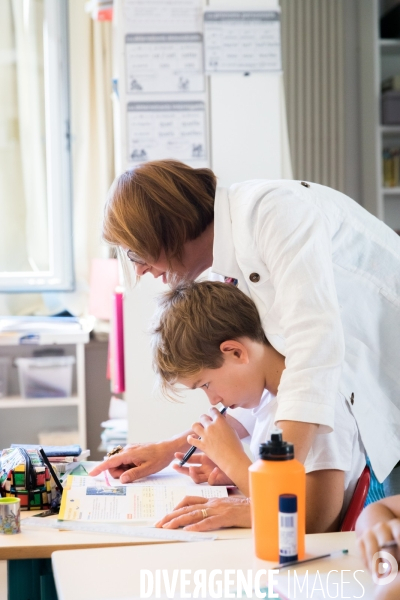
(288, 503)
(276, 449)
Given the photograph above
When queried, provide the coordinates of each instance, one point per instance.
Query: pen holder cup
(10, 521)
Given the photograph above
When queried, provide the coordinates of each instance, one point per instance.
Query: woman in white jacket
(322, 271)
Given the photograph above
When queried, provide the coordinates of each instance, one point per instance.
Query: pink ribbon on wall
(117, 344)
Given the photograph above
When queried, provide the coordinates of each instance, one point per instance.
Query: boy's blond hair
(192, 322)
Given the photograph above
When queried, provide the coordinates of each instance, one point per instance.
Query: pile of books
(116, 427)
(115, 434)
(391, 167)
(64, 459)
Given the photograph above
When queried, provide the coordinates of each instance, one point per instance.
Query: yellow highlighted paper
(88, 499)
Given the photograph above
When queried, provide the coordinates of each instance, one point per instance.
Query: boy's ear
(235, 349)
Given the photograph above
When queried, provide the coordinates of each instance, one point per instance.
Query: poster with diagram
(166, 129)
(164, 62)
(246, 41)
(162, 85)
(163, 16)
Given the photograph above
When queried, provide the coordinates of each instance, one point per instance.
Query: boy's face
(239, 382)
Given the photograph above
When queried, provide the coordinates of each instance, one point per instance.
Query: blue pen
(193, 449)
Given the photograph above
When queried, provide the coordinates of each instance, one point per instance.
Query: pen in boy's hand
(193, 449)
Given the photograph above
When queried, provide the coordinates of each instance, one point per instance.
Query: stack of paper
(114, 434)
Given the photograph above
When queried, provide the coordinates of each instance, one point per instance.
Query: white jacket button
(305, 184)
(254, 277)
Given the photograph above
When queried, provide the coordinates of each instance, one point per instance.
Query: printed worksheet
(91, 499)
(242, 41)
(164, 62)
(155, 16)
(173, 129)
(167, 476)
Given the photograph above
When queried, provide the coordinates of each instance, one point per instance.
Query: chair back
(357, 502)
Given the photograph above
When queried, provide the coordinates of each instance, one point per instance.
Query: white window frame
(60, 276)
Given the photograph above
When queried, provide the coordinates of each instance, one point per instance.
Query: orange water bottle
(278, 474)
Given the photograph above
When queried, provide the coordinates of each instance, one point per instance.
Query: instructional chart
(162, 86)
(164, 62)
(242, 41)
(167, 16)
(158, 130)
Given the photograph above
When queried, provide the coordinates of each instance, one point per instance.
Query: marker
(193, 449)
(306, 560)
(52, 472)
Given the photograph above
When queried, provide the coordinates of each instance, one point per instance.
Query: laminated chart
(242, 41)
(173, 129)
(164, 62)
(154, 16)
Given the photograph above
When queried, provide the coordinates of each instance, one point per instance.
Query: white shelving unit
(9, 345)
(380, 59)
(18, 402)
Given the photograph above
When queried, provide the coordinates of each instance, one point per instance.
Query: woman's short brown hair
(158, 206)
(192, 322)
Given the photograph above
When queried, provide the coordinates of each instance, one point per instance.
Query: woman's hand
(137, 461)
(221, 512)
(202, 470)
(222, 445)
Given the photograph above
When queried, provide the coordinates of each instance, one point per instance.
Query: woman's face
(166, 269)
(196, 258)
(159, 268)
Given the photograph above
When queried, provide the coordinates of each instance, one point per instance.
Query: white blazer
(325, 277)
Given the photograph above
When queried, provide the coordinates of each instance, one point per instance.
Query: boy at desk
(209, 335)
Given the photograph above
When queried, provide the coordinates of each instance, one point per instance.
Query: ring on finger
(204, 513)
(114, 451)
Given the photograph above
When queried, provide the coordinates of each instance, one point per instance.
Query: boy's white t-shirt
(340, 449)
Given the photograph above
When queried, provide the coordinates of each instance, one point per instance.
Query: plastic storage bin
(45, 377)
(4, 364)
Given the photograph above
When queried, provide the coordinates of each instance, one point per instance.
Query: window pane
(35, 203)
(23, 207)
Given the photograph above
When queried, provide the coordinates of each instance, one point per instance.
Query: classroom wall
(151, 417)
(247, 135)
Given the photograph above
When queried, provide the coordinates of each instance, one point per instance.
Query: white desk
(29, 552)
(114, 573)
(41, 543)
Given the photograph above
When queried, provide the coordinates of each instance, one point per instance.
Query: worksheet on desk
(88, 499)
(167, 476)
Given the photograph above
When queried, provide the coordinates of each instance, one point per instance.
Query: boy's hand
(222, 445)
(202, 470)
(218, 440)
(221, 512)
